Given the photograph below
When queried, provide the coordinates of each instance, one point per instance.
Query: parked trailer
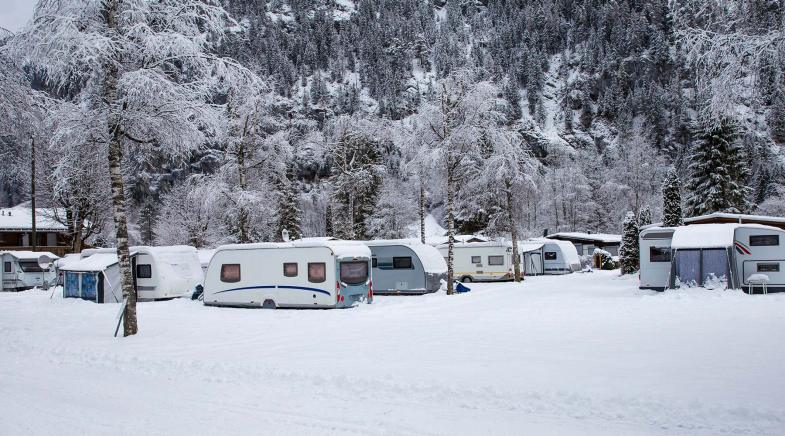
(480, 261)
(21, 271)
(404, 266)
(558, 257)
(531, 253)
(313, 273)
(159, 273)
(655, 258)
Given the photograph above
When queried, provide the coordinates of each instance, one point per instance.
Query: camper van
(406, 267)
(655, 257)
(20, 270)
(159, 273)
(713, 256)
(312, 273)
(549, 256)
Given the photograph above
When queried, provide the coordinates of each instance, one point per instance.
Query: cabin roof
(598, 238)
(19, 218)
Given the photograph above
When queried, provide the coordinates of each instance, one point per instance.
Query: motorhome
(311, 273)
(404, 266)
(21, 270)
(655, 257)
(716, 256)
(159, 273)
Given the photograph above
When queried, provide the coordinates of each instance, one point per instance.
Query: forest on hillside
(230, 121)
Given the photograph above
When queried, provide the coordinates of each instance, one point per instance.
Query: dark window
(7, 267)
(768, 267)
(290, 269)
(144, 271)
(402, 263)
(764, 240)
(476, 259)
(550, 255)
(659, 254)
(230, 272)
(317, 272)
(495, 260)
(354, 273)
(30, 266)
(375, 262)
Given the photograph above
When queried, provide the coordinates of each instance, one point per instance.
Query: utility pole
(33, 234)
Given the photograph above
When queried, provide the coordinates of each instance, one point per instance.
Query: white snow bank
(709, 235)
(432, 228)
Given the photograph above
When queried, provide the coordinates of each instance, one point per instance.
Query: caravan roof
(605, 238)
(339, 248)
(94, 262)
(567, 248)
(432, 260)
(30, 255)
(709, 235)
(527, 246)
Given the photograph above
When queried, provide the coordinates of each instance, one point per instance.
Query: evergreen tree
(718, 173)
(644, 216)
(289, 207)
(629, 252)
(671, 200)
(328, 219)
(146, 223)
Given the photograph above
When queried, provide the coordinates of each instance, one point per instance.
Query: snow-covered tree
(395, 211)
(142, 70)
(671, 200)
(718, 173)
(644, 216)
(629, 252)
(189, 215)
(289, 213)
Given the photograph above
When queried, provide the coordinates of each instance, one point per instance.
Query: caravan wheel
(268, 304)
(466, 279)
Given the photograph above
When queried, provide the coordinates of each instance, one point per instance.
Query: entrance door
(714, 269)
(535, 264)
(688, 267)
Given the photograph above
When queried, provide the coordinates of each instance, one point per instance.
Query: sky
(15, 13)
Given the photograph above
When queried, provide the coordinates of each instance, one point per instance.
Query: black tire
(268, 304)
(466, 279)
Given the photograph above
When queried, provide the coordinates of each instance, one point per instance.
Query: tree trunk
(115, 157)
(450, 227)
(422, 211)
(33, 234)
(516, 260)
(78, 223)
(242, 214)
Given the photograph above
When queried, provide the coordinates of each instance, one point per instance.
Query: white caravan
(20, 270)
(655, 257)
(159, 273)
(310, 273)
(406, 266)
(549, 256)
(480, 261)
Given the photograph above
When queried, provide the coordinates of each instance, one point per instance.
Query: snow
(599, 237)
(709, 235)
(432, 228)
(20, 218)
(95, 262)
(581, 354)
(340, 248)
(525, 247)
(29, 255)
(735, 216)
(205, 256)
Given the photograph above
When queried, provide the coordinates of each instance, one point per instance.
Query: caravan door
(534, 263)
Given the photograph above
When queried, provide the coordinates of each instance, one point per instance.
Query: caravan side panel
(397, 269)
(481, 262)
(760, 251)
(655, 259)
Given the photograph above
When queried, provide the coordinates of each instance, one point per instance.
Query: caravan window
(375, 262)
(230, 272)
(354, 273)
(495, 260)
(7, 267)
(764, 240)
(30, 266)
(144, 271)
(659, 254)
(402, 263)
(550, 255)
(476, 259)
(290, 269)
(768, 267)
(317, 272)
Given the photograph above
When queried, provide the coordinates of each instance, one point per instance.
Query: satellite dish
(45, 261)
(285, 235)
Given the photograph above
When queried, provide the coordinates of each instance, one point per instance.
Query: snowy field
(581, 354)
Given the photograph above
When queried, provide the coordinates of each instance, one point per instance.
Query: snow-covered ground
(580, 354)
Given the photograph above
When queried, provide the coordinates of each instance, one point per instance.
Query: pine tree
(146, 222)
(289, 207)
(644, 216)
(671, 200)
(629, 250)
(328, 219)
(718, 173)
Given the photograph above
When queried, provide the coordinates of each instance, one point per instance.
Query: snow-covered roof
(527, 246)
(567, 249)
(432, 261)
(741, 218)
(464, 239)
(604, 238)
(205, 256)
(339, 248)
(21, 219)
(98, 261)
(710, 235)
(30, 255)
